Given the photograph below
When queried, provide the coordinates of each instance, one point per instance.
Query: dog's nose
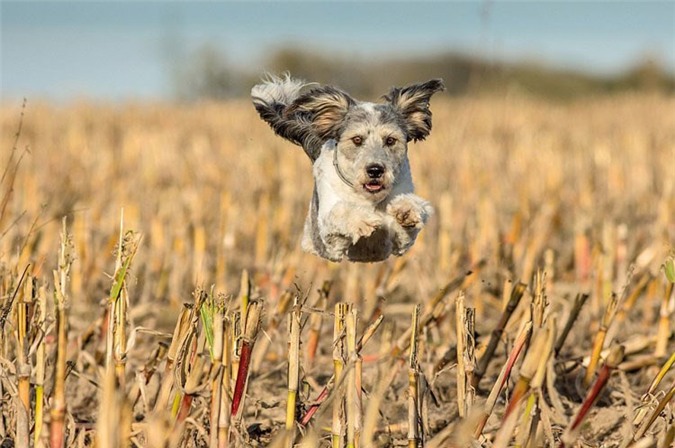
(375, 171)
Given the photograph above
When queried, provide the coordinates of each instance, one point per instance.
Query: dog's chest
(330, 189)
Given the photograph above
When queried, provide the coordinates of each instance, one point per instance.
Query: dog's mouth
(374, 186)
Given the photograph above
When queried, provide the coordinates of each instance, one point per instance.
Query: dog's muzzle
(375, 172)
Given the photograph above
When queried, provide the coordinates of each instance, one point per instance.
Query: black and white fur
(363, 207)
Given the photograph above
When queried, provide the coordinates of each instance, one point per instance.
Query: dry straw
(293, 370)
(549, 209)
(58, 408)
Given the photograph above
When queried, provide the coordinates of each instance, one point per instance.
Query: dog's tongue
(373, 186)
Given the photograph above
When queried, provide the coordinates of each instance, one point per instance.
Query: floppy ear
(412, 103)
(271, 98)
(324, 107)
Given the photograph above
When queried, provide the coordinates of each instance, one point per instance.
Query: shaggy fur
(363, 207)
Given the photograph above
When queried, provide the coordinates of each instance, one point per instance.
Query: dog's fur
(363, 206)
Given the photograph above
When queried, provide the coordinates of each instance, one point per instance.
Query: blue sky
(120, 50)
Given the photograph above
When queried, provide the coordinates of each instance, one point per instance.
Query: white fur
(277, 89)
(345, 217)
(330, 187)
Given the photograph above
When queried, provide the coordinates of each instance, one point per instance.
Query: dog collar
(338, 170)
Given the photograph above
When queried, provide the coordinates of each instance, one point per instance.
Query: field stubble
(538, 206)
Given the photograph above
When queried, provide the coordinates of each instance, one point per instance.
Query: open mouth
(374, 186)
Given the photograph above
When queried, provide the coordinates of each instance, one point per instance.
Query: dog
(363, 207)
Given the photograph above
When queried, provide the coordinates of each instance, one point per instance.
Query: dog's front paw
(408, 217)
(365, 227)
(410, 211)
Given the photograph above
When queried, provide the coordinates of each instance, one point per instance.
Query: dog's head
(371, 138)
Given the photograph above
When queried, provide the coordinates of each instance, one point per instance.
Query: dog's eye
(358, 140)
(390, 141)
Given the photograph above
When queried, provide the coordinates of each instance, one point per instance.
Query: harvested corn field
(153, 291)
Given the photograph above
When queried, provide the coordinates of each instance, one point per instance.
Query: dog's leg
(410, 213)
(344, 225)
(335, 246)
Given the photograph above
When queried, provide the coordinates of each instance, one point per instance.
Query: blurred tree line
(208, 74)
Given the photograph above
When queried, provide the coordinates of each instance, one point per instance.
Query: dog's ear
(412, 102)
(324, 107)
